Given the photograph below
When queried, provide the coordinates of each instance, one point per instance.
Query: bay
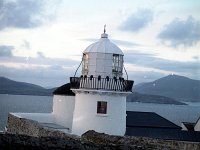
(43, 104)
(23, 103)
(175, 113)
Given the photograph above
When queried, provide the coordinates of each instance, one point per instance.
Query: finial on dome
(104, 35)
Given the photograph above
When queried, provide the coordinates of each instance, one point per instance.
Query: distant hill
(8, 86)
(146, 98)
(173, 86)
(168, 87)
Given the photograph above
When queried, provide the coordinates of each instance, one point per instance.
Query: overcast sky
(41, 41)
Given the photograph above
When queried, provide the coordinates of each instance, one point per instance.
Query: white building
(188, 126)
(197, 125)
(97, 99)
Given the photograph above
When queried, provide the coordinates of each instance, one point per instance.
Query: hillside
(146, 98)
(8, 86)
(173, 86)
(153, 90)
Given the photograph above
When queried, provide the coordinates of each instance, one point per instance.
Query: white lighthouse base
(63, 108)
(86, 117)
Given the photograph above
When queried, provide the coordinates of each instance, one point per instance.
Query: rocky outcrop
(23, 126)
(139, 142)
(17, 125)
(23, 134)
(91, 140)
(23, 142)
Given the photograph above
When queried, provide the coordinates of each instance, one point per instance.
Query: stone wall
(17, 125)
(90, 141)
(28, 133)
(23, 126)
(23, 142)
(146, 143)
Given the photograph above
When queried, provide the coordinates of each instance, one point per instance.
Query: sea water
(23, 103)
(43, 104)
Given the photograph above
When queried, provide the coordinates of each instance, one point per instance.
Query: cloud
(6, 51)
(117, 42)
(45, 72)
(56, 67)
(26, 44)
(137, 21)
(125, 43)
(46, 61)
(144, 76)
(181, 32)
(20, 13)
(196, 58)
(37, 75)
(40, 55)
(190, 68)
(56, 71)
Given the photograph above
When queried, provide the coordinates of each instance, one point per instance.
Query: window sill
(102, 115)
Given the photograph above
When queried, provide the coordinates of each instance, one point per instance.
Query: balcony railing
(111, 84)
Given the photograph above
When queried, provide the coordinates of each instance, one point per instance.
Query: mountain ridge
(147, 98)
(8, 86)
(174, 86)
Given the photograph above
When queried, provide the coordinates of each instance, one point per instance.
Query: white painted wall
(40, 117)
(197, 126)
(86, 117)
(183, 127)
(63, 108)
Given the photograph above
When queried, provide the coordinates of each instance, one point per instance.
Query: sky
(41, 41)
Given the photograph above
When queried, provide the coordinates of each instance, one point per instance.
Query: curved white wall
(63, 108)
(197, 126)
(86, 117)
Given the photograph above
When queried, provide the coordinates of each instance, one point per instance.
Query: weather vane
(104, 28)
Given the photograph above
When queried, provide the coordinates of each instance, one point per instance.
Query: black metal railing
(99, 83)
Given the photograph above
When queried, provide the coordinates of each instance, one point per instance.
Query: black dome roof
(64, 90)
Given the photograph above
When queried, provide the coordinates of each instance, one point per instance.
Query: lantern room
(103, 58)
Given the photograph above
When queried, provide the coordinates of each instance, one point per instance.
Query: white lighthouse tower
(94, 101)
(100, 92)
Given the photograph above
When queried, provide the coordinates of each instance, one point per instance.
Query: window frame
(102, 107)
(117, 64)
(85, 63)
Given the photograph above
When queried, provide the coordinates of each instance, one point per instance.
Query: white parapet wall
(17, 124)
(183, 127)
(197, 126)
(86, 116)
(39, 117)
(63, 108)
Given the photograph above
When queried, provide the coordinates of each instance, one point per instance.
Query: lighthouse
(96, 100)
(101, 90)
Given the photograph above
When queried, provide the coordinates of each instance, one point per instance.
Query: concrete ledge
(23, 126)
(40, 117)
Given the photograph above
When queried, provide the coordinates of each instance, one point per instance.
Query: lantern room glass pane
(117, 64)
(85, 64)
